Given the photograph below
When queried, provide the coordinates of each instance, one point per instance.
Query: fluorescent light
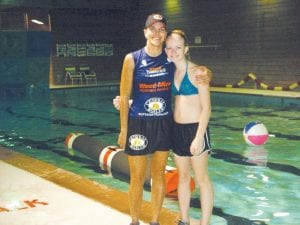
(37, 22)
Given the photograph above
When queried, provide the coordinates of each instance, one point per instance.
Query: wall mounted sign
(84, 49)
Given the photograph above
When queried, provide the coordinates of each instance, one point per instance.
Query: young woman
(191, 142)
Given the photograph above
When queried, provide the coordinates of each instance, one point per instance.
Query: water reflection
(257, 155)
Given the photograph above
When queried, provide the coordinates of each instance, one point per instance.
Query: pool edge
(101, 193)
(247, 91)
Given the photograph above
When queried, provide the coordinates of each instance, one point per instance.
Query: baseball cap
(154, 18)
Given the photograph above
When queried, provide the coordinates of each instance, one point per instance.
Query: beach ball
(255, 133)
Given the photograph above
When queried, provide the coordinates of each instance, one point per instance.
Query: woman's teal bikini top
(186, 87)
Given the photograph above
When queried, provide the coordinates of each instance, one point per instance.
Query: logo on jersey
(156, 72)
(155, 105)
(138, 142)
(144, 62)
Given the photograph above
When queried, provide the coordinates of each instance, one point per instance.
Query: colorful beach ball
(255, 133)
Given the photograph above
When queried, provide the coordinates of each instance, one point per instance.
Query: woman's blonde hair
(184, 37)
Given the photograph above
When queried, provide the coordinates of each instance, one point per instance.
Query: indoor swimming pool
(253, 185)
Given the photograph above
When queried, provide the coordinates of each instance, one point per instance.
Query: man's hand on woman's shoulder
(203, 74)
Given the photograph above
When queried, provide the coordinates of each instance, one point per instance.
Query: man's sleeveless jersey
(152, 81)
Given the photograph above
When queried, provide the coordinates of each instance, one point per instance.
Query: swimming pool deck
(285, 94)
(35, 192)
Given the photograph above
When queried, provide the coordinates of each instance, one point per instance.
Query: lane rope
(263, 85)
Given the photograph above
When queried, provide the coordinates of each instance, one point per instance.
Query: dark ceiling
(11, 5)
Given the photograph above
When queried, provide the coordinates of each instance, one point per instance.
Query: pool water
(253, 185)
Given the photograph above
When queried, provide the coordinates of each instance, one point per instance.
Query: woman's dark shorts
(183, 135)
(147, 136)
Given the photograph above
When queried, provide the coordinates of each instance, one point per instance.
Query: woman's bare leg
(200, 168)
(184, 192)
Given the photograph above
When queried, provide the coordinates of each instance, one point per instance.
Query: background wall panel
(237, 37)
